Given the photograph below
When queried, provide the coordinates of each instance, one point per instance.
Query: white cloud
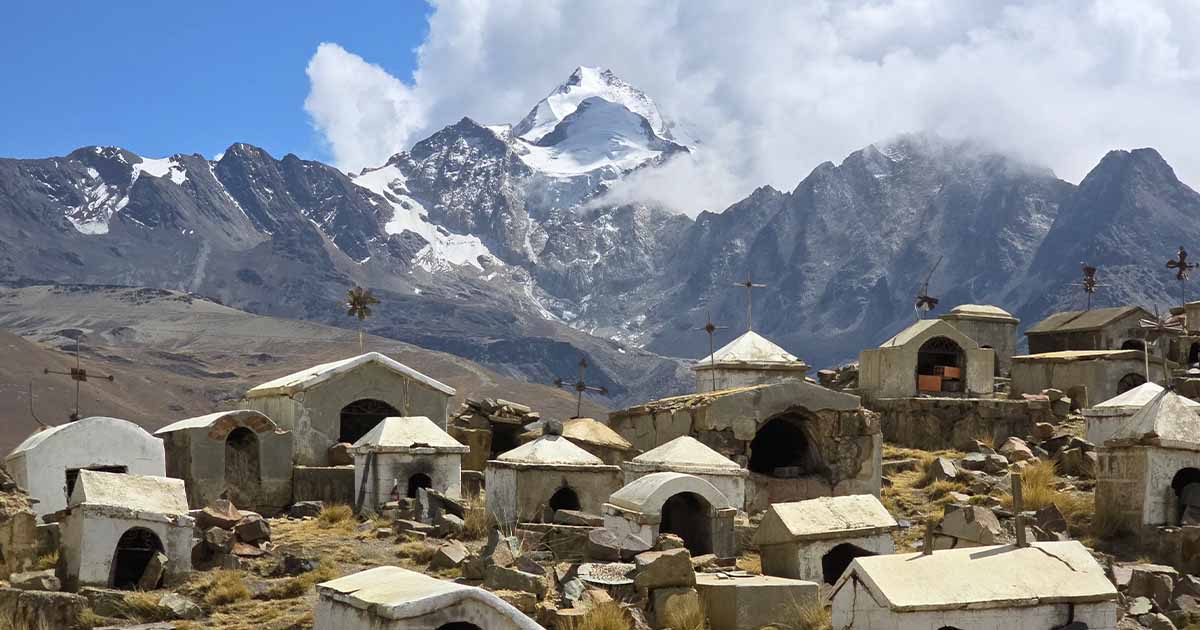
(776, 88)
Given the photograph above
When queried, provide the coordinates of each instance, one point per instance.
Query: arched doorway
(134, 551)
(416, 482)
(459, 625)
(781, 448)
(835, 561)
(565, 498)
(687, 515)
(360, 416)
(1194, 354)
(242, 466)
(1134, 344)
(1129, 381)
(1186, 485)
(941, 366)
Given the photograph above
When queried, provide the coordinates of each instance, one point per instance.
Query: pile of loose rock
(227, 535)
(1157, 596)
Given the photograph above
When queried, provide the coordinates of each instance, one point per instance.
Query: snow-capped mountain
(493, 241)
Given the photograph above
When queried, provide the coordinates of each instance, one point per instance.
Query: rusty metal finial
(711, 328)
(1182, 268)
(1089, 283)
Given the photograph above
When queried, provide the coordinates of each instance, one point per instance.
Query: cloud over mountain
(773, 90)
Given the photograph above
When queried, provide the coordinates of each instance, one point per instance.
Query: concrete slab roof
(1083, 321)
(1084, 355)
(686, 454)
(310, 377)
(1003, 576)
(209, 420)
(549, 450)
(930, 328)
(1138, 397)
(797, 392)
(586, 431)
(750, 349)
(394, 593)
(980, 311)
(647, 494)
(138, 493)
(96, 423)
(399, 434)
(1167, 420)
(824, 517)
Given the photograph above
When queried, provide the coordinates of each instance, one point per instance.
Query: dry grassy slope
(175, 356)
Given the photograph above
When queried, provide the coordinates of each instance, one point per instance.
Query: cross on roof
(1089, 282)
(711, 328)
(580, 386)
(79, 375)
(1181, 267)
(750, 286)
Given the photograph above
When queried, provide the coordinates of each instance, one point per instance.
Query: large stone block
(41, 609)
(752, 602)
(659, 569)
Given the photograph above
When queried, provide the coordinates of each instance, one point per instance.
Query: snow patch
(585, 83)
(443, 248)
(160, 167)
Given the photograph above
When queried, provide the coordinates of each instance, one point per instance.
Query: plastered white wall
(802, 560)
(90, 541)
(335, 615)
(444, 470)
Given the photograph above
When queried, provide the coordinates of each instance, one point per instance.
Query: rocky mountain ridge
(493, 242)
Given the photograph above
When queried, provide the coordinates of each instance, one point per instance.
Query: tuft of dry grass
(803, 616)
(419, 551)
(750, 562)
(688, 616)
(941, 489)
(605, 616)
(1108, 526)
(1037, 486)
(143, 608)
(478, 521)
(88, 619)
(47, 561)
(336, 516)
(225, 587)
(297, 586)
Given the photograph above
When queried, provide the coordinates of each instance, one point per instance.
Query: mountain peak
(1120, 164)
(584, 83)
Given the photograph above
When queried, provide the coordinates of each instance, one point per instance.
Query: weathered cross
(1089, 282)
(580, 386)
(750, 286)
(711, 328)
(926, 302)
(1156, 329)
(79, 375)
(1182, 268)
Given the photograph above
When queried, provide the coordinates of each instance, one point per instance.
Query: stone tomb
(1040, 587)
(47, 463)
(751, 359)
(799, 440)
(240, 453)
(1148, 472)
(532, 481)
(931, 357)
(117, 526)
(405, 455)
(817, 539)
(391, 598)
(1084, 375)
(686, 454)
(674, 503)
(990, 327)
(1104, 419)
(339, 402)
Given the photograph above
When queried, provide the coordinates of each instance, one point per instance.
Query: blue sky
(193, 77)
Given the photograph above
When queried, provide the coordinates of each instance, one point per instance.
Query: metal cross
(580, 386)
(79, 375)
(750, 286)
(1156, 329)
(1181, 267)
(1089, 282)
(711, 328)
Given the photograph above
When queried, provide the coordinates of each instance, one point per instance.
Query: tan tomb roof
(983, 577)
(980, 311)
(1082, 321)
(133, 493)
(585, 431)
